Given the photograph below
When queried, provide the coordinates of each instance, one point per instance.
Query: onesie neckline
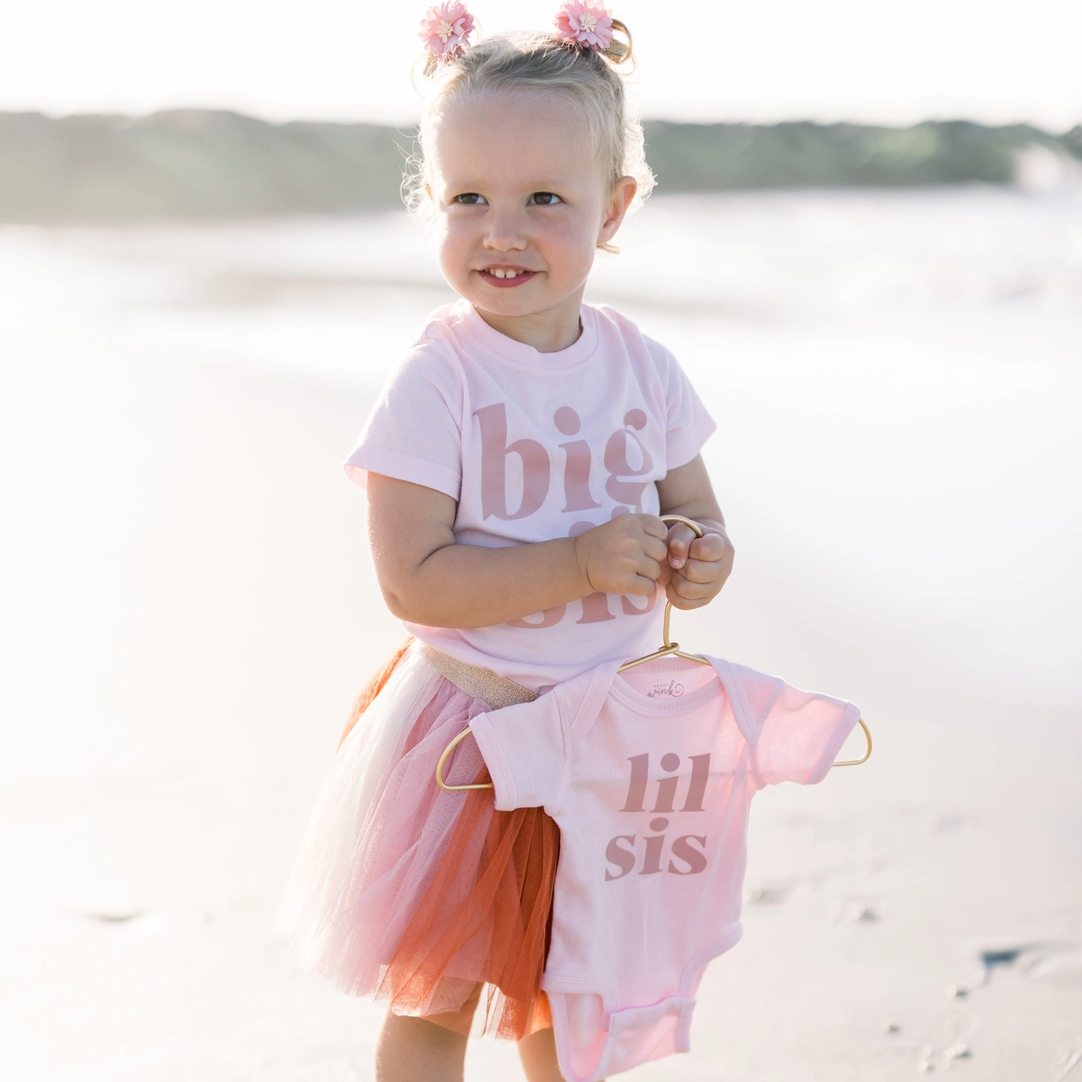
(660, 708)
(520, 353)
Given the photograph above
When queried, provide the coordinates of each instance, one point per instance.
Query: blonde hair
(530, 61)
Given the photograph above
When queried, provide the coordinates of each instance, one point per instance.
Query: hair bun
(619, 52)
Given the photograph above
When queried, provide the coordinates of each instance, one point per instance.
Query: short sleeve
(688, 425)
(801, 734)
(413, 433)
(525, 750)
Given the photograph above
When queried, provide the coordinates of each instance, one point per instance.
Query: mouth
(506, 277)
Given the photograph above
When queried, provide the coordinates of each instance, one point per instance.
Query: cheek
(577, 240)
(450, 243)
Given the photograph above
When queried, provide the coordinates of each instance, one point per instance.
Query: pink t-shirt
(650, 775)
(536, 446)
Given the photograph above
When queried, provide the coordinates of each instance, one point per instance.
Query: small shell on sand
(957, 1051)
(859, 913)
(115, 916)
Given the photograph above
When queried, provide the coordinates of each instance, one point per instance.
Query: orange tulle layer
(375, 685)
(485, 918)
(485, 914)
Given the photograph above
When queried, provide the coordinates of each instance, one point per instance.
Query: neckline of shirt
(644, 704)
(520, 353)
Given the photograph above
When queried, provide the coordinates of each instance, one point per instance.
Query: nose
(505, 231)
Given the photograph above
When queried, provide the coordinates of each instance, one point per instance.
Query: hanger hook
(698, 531)
(443, 759)
(867, 751)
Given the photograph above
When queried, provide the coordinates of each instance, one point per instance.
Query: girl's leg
(416, 1050)
(538, 1055)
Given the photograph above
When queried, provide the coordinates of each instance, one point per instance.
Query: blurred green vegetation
(720, 157)
(206, 164)
(192, 164)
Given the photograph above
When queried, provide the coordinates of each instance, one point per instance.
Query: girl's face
(521, 205)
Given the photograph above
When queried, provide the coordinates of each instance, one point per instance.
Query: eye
(469, 199)
(544, 199)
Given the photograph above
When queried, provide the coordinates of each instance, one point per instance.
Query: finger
(698, 571)
(684, 603)
(654, 547)
(693, 591)
(679, 543)
(652, 569)
(642, 587)
(711, 548)
(654, 526)
(666, 574)
(648, 569)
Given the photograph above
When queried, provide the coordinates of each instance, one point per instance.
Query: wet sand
(189, 609)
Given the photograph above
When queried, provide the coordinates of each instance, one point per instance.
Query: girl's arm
(427, 578)
(699, 566)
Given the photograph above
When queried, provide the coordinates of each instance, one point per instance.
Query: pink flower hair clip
(445, 29)
(589, 25)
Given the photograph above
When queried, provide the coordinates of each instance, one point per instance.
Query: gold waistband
(482, 684)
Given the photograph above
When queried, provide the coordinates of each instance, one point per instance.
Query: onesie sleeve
(688, 425)
(799, 732)
(413, 433)
(525, 750)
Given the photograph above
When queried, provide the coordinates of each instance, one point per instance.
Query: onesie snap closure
(634, 1035)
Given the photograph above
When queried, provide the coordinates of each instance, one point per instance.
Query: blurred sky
(868, 60)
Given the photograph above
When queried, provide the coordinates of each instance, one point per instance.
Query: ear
(623, 191)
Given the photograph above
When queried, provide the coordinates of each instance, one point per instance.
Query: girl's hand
(624, 556)
(697, 567)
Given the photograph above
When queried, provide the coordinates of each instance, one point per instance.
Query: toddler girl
(516, 465)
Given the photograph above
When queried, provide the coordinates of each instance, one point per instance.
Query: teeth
(498, 272)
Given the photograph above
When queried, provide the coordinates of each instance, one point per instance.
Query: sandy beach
(189, 608)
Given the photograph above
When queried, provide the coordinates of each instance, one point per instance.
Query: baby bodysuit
(650, 776)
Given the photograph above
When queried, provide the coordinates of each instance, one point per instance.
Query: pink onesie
(650, 776)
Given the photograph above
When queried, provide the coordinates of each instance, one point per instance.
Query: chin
(508, 304)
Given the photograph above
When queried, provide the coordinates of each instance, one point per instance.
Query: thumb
(679, 543)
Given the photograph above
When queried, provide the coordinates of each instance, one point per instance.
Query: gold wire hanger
(667, 649)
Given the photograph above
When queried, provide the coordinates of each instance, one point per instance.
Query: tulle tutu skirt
(416, 895)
